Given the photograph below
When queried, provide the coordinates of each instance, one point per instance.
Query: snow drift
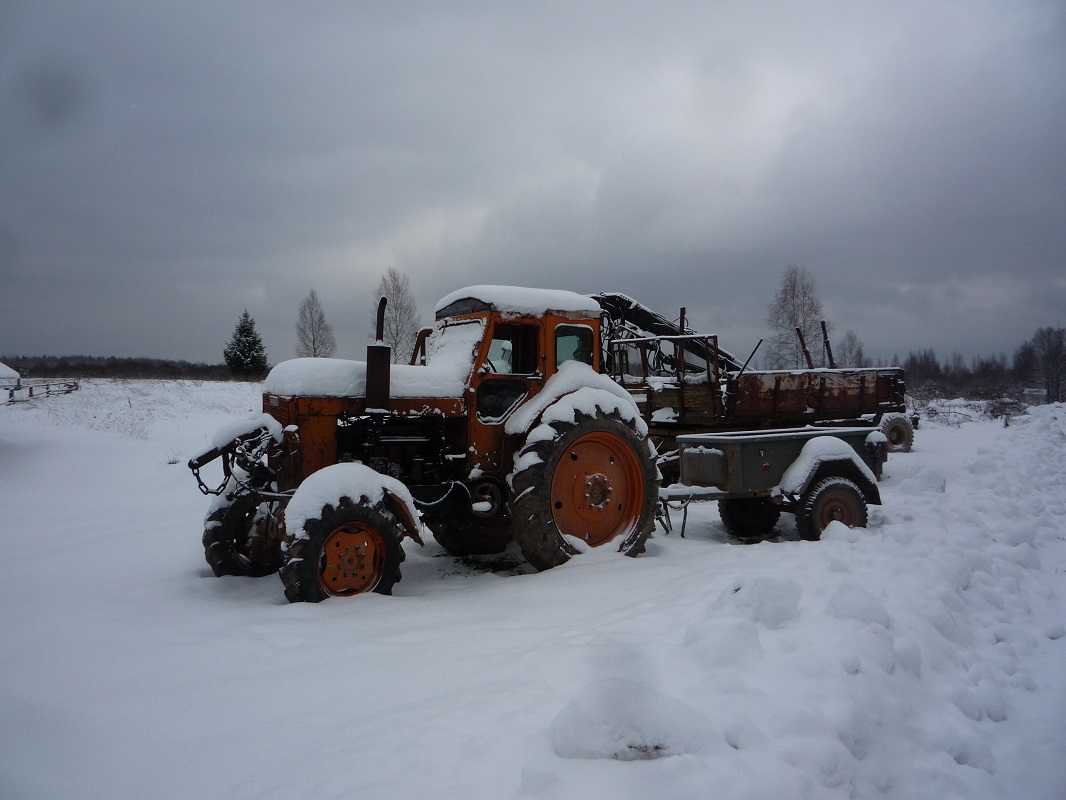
(922, 657)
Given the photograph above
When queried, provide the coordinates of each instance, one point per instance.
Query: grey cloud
(188, 162)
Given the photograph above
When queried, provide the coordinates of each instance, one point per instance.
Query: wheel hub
(596, 488)
(353, 560)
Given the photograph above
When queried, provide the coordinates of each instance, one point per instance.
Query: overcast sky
(164, 166)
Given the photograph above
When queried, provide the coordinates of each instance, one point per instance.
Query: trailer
(817, 474)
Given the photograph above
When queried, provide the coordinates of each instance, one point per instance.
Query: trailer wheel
(900, 434)
(749, 518)
(232, 543)
(347, 550)
(830, 499)
(592, 480)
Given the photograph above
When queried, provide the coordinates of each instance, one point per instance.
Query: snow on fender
(815, 452)
(586, 473)
(330, 485)
(345, 527)
(587, 388)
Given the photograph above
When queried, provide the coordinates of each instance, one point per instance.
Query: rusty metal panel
(767, 395)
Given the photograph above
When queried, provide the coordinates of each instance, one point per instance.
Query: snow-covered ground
(923, 657)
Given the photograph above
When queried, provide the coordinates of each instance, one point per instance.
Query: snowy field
(923, 657)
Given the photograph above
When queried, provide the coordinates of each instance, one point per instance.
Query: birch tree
(314, 336)
(796, 305)
(402, 320)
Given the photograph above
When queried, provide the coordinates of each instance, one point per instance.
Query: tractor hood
(450, 354)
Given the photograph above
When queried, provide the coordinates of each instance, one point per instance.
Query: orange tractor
(501, 428)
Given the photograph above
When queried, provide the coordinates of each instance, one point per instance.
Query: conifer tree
(245, 355)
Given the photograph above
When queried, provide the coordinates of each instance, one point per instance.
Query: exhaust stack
(378, 365)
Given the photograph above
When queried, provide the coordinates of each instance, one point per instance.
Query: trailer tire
(593, 479)
(900, 434)
(830, 499)
(749, 518)
(233, 546)
(348, 549)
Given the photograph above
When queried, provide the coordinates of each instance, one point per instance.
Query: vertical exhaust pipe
(378, 365)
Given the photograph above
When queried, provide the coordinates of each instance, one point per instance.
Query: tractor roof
(515, 300)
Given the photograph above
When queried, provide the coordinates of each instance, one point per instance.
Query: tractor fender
(331, 484)
(402, 511)
(824, 457)
(574, 386)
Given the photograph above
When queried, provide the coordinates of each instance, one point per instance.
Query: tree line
(49, 367)
(1038, 364)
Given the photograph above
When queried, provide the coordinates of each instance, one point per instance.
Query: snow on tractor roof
(449, 357)
(515, 300)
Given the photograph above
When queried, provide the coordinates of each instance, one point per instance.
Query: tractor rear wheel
(592, 481)
(347, 550)
(830, 499)
(233, 545)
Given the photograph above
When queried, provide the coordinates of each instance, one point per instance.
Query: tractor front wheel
(347, 550)
(233, 543)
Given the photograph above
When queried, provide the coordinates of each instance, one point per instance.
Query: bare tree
(796, 305)
(314, 336)
(849, 352)
(402, 319)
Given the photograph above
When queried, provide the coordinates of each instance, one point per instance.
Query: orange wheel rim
(597, 490)
(839, 505)
(352, 560)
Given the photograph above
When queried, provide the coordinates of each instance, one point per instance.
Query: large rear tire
(830, 499)
(593, 480)
(347, 550)
(232, 543)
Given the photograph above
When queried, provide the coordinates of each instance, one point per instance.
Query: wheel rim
(837, 504)
(896, 435)
(596, 489)
(352, 560)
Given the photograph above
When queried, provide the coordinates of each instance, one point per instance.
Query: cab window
(513, 350)
(573, 343)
